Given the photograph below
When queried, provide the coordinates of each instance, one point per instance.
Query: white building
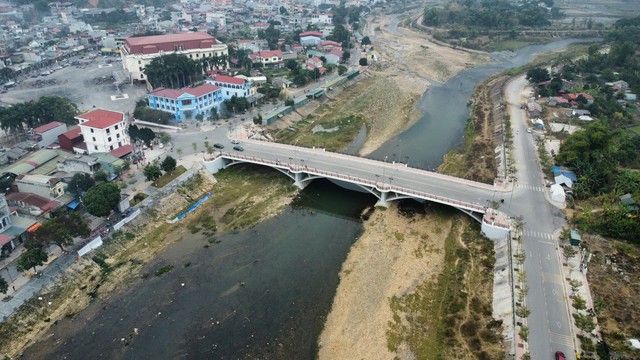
(42, 185)
(324, 19)
(138, 52)
(47, 134)
(268, 59)
(79, 164)
(103, 130)
(311, 38)
(231, 86)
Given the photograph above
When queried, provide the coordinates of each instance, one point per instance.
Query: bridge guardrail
(376, 185)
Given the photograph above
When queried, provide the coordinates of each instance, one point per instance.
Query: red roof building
(169, 43)
(103, 130)
(100, 118)
(69, 139)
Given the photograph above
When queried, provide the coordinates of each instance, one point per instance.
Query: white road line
(560, 339)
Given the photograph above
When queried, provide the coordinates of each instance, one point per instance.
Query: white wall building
(231, 86)
(138, 52)
(42, 185)
(103, 130)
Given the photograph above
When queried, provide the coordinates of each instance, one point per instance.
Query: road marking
(538, 234)
(529, 187)
(560, 339)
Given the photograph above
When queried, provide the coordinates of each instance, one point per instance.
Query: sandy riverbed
(408, 63)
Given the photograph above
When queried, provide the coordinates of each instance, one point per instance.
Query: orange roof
(101, 119)
(195, 91)
(228, 79)
(157, 43)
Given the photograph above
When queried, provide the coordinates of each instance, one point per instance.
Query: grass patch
(137, 198)
(168, 177)
(635, 129)
(163, 269)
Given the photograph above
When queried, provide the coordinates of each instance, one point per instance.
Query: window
(94, 139)
(95, 147)
(119, 143)
(139, 62)
(111, 147)
(141, 76)
(117, 136)
(91, 130)
(116, 127)
(139, 68)
(109, 139)
(108, 131)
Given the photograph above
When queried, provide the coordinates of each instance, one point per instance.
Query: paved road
(549, 322)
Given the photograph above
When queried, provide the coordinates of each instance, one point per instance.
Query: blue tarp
(193, 207)
(74, 204)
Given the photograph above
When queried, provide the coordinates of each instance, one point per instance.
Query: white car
(161, 146)
(529, 130)
(234, 141)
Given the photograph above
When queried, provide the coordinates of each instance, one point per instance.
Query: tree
(102, 199)
(584, 322)
(537, 75)
(80, 183)
(35, 255)
(568, 251)
(363, 62)
(168, 164)
(61, 230)
(365, 41)
(152, 172)
(283, 10)
(342, 69)
(4, 287)
(579, 303)
(100, 176)
(345, 56)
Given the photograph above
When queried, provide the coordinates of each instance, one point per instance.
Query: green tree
(80, 183)
(35, 255)
(102, 199)
(100, 176)
(168, 164)
(363, 62)
(152, 172)
(4, 286)
(61, 230)
(365, 41)
(537, 75)
(579, 303)
(584, 322)
(342, 69)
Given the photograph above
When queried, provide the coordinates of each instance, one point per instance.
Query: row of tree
(154, 171)
(23, 116)
(178, 71)
(499, 14)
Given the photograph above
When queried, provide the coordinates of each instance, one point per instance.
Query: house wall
(105, 140)
(73, 165)
(44, 190)
(200, 105)
(49, 137)
(66, 143)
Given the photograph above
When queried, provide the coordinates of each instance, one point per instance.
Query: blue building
(188, 102)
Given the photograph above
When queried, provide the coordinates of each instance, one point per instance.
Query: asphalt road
(550, 326)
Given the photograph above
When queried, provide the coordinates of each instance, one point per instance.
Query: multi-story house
(42, 185)
(138, 52)
(231, 86)
(103, 130)
(268, 59)
(188, 102)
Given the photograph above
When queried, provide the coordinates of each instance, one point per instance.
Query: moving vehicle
(218, 146)
(238, 148)
(234, 141)
(560, 355)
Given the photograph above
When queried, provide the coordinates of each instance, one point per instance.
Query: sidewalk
(575, 269)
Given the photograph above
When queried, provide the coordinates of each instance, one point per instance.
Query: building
(47, 134)
(138, 52)
(103, 130)
(231, 86)
(70, 139)
(32, 205)
(311, 38)
(268, 59)
(324, 19)
(188, 102)
(13, 228)
(46, 186)
(79, 164)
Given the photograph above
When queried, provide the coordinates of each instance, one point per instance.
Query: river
(265, 292)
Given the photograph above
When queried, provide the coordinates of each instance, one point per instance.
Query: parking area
(87, 81)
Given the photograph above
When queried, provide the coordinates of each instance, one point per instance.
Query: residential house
(311, 38)
(268, 59)
(47, 134)
(13, 228)
(138, 52)
(32, 205)
(79, 164)
(103, 130)
(253, 45)
(188, 102)
(70, 139)
(321, 19)
(46, 186)
(231, 86)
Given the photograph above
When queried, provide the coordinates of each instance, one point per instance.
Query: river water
(262, 293)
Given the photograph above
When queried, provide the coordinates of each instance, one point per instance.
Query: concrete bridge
(386, 181)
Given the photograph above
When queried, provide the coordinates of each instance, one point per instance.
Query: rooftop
(194, 91)
(47, 127)
(100, 119)
(229, 79)
(157, 43)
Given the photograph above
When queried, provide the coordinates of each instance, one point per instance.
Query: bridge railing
(376, 184)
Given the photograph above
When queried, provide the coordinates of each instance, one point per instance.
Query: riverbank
(125, 258)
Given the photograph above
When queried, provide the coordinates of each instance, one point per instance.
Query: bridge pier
(382, 199)
(300, 180)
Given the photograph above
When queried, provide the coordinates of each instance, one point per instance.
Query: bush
(363, 62)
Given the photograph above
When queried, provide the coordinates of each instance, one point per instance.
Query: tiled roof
(229, 79)
(72, 134)
(47, 127)
(122, 151)
(311, 33)
(101, 119)
(270, 53)
(195, 91)
(157, 43)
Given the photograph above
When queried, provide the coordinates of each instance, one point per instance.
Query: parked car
(238, 148)
(218, 146)
(234, 141)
